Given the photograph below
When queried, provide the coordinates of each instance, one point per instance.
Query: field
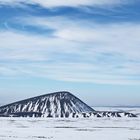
(71, 129)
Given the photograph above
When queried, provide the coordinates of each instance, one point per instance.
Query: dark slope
(58, 104)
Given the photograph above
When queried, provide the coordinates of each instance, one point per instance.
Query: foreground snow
(70, 129)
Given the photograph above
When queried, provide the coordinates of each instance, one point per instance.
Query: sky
(90, 48)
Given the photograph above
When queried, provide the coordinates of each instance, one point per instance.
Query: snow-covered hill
(59, 104)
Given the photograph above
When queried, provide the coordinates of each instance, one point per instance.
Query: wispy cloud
(73, 3)
(94, 54)
(75, 50)
(108, 38)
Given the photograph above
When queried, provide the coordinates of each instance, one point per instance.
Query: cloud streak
(75, 54)
(110, 38)
(70, 3)
(76, 50)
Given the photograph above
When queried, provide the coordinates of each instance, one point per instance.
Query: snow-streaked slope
(59, 104)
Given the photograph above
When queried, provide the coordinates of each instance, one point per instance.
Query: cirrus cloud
(70, 3)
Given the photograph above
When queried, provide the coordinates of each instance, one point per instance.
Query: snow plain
(71, 128)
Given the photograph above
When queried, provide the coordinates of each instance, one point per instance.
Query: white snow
(71, 128)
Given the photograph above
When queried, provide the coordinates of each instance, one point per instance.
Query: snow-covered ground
(71, 129)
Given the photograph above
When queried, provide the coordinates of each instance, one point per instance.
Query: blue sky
(88, 47)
